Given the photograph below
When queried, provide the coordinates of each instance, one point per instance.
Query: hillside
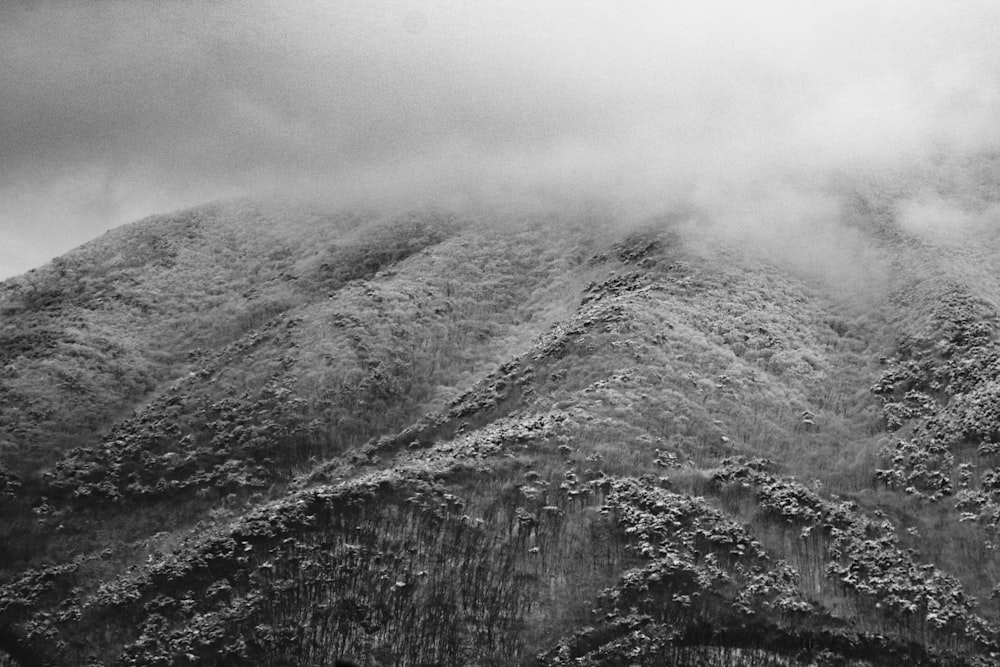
(275, 434)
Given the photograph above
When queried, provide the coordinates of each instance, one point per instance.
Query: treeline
(463, 555)
(846, 554)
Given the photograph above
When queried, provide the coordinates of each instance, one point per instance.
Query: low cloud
(944, 220)
(111, 109)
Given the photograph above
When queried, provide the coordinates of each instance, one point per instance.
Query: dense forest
(255, 433)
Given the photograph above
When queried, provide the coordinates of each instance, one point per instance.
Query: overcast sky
(113, 110)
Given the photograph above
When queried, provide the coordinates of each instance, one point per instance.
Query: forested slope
(266, 434)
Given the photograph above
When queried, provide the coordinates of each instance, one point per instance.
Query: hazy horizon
(111, 111)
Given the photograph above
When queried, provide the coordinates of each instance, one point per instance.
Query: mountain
(286, 434)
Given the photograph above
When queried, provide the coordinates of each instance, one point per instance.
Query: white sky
(112, 110)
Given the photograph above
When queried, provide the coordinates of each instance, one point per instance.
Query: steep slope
(435, 438)
(86, 335)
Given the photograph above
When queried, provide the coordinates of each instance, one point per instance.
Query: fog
(113, 110)
(941, 220)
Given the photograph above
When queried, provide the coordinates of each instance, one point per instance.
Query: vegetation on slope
(429, 438)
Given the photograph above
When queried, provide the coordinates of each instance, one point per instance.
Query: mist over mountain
(272, 432)
(112, 110)
(499, 333)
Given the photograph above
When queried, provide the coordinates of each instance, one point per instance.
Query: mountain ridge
(253, 434)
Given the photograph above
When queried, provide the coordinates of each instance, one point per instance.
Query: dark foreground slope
(249, 435)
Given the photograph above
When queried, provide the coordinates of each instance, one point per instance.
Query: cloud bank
(115, 109)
